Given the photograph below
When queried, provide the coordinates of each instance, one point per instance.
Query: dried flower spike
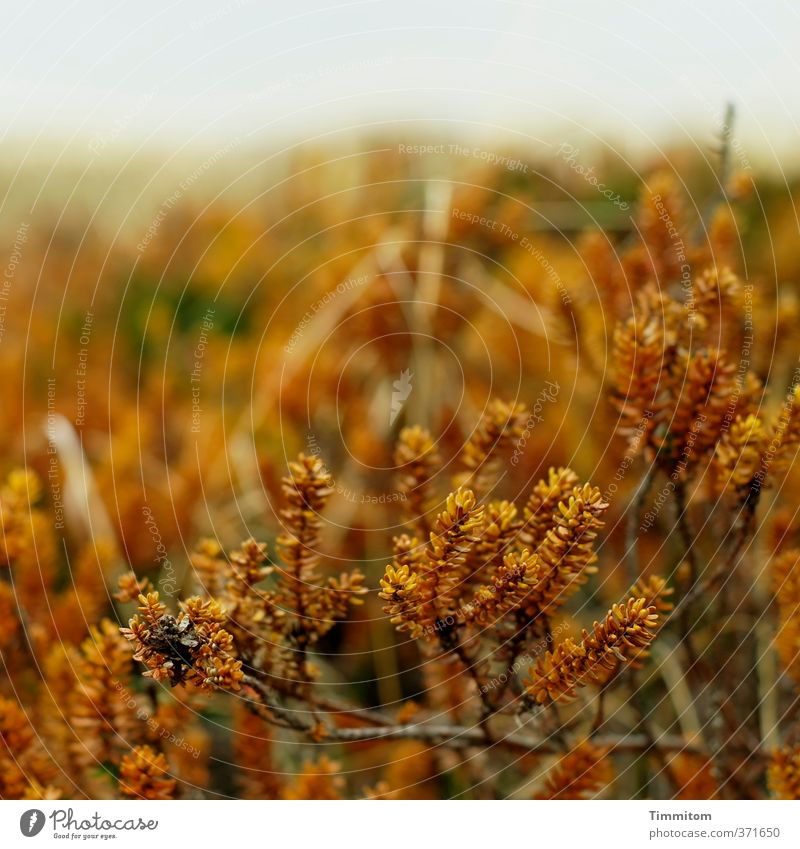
(144, 774)
(580, 774)
(783, 773)
(626, 630)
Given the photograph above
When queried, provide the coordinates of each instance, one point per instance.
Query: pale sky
(210, 69)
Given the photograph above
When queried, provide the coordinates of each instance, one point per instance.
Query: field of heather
(423, 452)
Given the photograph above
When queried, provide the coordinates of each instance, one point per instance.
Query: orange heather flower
(567, 554)
(705, 381)
(191, 648)
(580, 774)
(510, 584)
(315, 606)
(97, 710)
(738, 467)
(499, 425)
(143, 774)
(417, 462)
(643, 347)
(783, 773)
(541, 508)
(320, 781)
(500, 530)
(130, 587)
(442, 571)
(626, 630)
(693, 776)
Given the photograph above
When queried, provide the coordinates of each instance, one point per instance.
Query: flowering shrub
(574, 574)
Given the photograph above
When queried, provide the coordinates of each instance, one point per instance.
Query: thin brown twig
(459, 736)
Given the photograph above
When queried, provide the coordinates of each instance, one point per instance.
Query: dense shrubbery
(539, 539)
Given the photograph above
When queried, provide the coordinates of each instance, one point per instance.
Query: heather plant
(483, 590)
